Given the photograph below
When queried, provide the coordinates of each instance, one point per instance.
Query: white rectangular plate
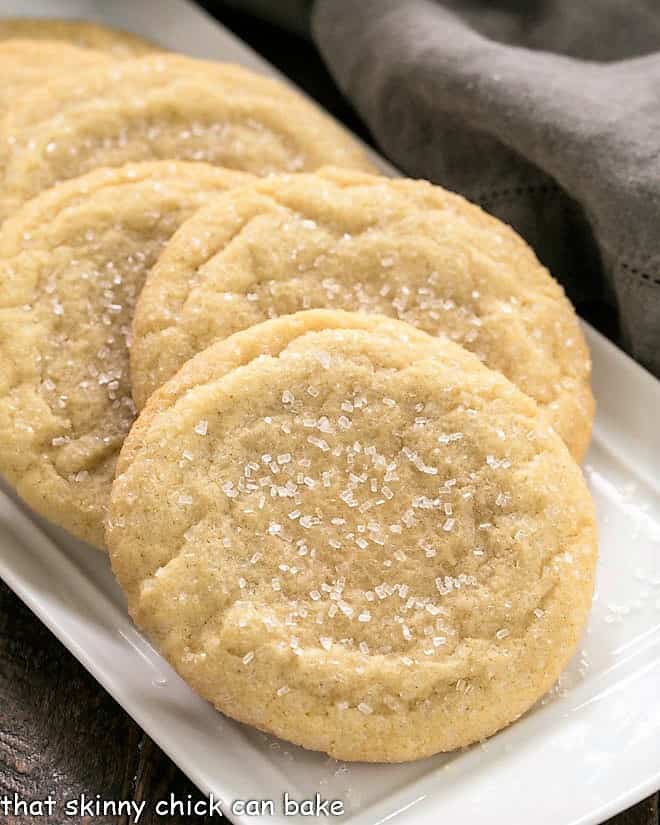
(589, 750)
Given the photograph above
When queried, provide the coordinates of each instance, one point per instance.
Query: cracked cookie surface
(164, 107)
(72, 262)
(353, 535)
(351, 241)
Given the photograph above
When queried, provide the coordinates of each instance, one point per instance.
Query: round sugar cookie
(159, 108)
(352, 241)
(72, 262)
(27, 64)
(353, 535)
(80, 33)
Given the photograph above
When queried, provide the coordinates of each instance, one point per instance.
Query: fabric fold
(561, 145)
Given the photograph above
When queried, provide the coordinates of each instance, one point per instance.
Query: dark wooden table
(60, 732)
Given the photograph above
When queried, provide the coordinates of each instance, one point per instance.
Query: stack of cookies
(326, 423)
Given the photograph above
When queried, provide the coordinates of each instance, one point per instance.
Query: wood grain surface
(62, 734)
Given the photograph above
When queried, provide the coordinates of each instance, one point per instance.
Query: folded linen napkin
(547, 113)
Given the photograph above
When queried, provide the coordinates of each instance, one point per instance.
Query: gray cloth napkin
(545, 112)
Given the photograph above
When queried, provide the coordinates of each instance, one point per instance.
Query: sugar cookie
(352, 241)
(80, 33)
(26, 64)
(71, 264)
(353, 535)
(163, 107)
